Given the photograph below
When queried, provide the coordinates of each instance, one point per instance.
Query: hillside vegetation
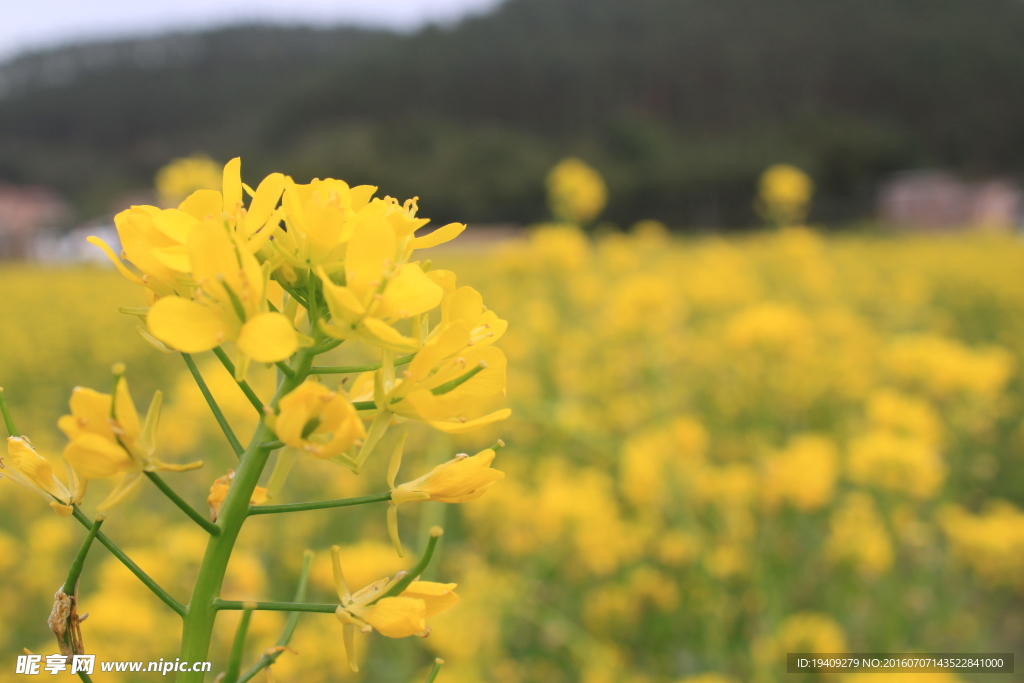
(680, 103)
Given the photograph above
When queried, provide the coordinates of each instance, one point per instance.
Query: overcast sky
(27, 24)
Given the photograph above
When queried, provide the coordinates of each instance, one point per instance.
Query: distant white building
(936, 200)
(71, 247)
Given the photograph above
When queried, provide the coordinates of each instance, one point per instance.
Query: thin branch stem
(458, 381)
(293, 293)
(206, 524)
(318, 504)
(289, 627)
(322, 608)
(327, 346)
(237, 649)
(403, 583)
(79, 563)
(236, 445)
(132, 567)
(8, 420)
(285, 370)
(272, 445)
(344, 369)
(433, 672)
(242, 384)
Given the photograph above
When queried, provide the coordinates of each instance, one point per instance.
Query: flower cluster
(280, 275)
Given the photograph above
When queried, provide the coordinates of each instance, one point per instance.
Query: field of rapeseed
(721, 451)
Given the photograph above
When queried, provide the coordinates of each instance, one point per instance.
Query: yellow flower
(803, 475)
(576, 192)
(320, 219)
(896, 462)
(379, 287)
(229, 304)
(107, 438)
(785, 195)
(29, 469)
(317, 421)
(398, 616)
(156, 241)
(219, 491)
(858, 535)
(461, 479)
(181, 177)
(457, 379)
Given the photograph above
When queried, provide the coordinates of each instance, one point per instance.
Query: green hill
(680, 103)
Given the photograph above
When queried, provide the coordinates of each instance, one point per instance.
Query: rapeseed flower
(107, 438)
(219, 491)
(156, 241)
(398, 616)
(229, 305)
(457, 378)
(459, 480)
(379, 288)
(784, 195)
(576, 192)
(317, 421)
(181, 177)
(26, 467)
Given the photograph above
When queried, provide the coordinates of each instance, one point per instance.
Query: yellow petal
(409, 293)
(34, 467)
(90, 413)
(397, 617)
(437, 596)
(188, 326)
(361, 195)
(377, 332)
(443, 234)
(123, 269)
(264, 202)
(232, 185)
(203, 204)
(95, 457)
(370, 251)
(268, 338)
(124, 411)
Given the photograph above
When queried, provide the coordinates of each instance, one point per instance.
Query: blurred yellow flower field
(720, 451)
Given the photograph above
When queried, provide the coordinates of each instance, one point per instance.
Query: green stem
(132, 567)
(293, 293)
(243, 385)
(79, 562)
(327, 346)
(311, 306)
(283, 367)
(85, 677)
(322, 608)
(207, 525)
(289, 626)
(404, 582)
(238, 648)
(364, 405)
(201, 613)
(8, 420)
(236, 446)
(433, 672)
(458, 381)
(318, 504)
(344, 369)
(273, 445)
